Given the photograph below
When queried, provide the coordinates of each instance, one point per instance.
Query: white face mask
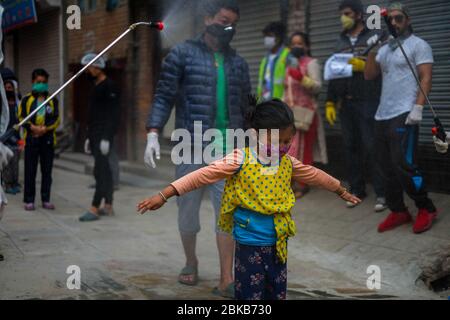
(269, 42)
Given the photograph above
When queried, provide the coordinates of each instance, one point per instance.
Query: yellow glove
(330, 112)
(307, 82)
(358, 64)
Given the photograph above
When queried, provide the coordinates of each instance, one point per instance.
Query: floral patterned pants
(259, 275)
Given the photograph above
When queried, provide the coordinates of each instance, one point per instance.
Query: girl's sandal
(227, 293)
(188, 271)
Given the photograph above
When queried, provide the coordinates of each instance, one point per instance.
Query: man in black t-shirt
(103, 122)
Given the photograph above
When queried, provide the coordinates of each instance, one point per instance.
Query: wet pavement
(138, 257)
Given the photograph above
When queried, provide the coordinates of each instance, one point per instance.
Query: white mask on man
(269, 42)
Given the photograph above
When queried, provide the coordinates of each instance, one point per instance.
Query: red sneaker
(393, 220)
(424, 220)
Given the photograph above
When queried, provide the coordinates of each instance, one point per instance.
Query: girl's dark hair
(212, 7)
(39, 72)
(272, 114)
(305, 38)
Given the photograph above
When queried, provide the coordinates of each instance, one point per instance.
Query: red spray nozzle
(157, 25)
(384, 12)
(160, 26)
(434, 131)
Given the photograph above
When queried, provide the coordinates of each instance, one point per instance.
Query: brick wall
(38, 47)
(98, 29)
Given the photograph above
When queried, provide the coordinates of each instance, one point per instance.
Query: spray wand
(8, 134)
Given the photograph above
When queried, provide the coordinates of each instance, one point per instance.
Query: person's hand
(441, 146)
(34, 131)
(38, 131)
(358, 64)
(153, 203)
(330, 112)
(104, 147)
(295, 73)
(153, 148)
(5, 155)
(350, 198)
(87, 147)
(415, 116)
(374, 41)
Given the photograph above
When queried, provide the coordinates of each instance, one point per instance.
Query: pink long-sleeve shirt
(228, 166)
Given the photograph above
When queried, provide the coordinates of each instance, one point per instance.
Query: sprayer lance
(154, 25)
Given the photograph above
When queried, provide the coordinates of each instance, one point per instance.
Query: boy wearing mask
(40, 139)
(272, 69)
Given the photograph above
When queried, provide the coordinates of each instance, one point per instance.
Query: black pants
(396, 148)
(358, 131)
(103, 175)
(38, 150)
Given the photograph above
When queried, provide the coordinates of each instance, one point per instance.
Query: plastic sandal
(88, 217)
(227, 293)
(189, 271)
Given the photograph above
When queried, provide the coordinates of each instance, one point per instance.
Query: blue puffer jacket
(188, 81)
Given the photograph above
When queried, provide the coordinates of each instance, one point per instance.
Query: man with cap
(398, 118)
(357, 100)
(102, 125)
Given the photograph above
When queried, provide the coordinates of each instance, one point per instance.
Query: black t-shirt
(103, 119)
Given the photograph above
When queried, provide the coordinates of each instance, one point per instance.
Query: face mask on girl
(271, 149)
(298, 52)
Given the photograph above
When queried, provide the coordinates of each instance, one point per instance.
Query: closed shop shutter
(255, 15)
(38, 47)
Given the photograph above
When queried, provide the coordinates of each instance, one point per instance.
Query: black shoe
(2, 257)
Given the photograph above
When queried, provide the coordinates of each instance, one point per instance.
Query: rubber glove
(415, 116)
(104, 147)
(87, 147)
(330, 112)
(295, 73)
(153, 148)
(358, 64)
(441, 146)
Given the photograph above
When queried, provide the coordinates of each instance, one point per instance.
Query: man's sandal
(188, 271)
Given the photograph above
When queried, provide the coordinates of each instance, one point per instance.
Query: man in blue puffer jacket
(208, 82)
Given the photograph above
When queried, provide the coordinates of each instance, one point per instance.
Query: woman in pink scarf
(303, 84)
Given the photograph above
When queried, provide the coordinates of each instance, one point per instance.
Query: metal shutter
(255, 15)
(430, 21)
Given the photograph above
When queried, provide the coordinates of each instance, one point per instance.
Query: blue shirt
(252, 228)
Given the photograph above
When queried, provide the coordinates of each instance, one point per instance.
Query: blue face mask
(40, 87)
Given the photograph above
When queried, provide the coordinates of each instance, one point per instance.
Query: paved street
(138, 257)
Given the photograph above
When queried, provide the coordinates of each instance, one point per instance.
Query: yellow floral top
(254, 186)
(264, 189)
